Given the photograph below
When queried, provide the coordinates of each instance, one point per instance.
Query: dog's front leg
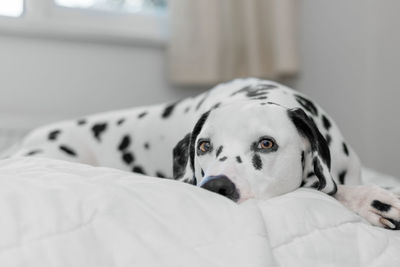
(377, 205)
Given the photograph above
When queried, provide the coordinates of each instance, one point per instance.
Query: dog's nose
(221, 185)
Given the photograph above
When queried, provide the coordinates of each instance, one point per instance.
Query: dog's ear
(319, 160)
(181, 168)
(184, 153)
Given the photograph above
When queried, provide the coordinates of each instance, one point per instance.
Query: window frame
(43, 18)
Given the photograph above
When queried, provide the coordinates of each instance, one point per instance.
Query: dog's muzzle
(221, 184)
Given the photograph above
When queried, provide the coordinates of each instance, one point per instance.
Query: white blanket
(55, 213)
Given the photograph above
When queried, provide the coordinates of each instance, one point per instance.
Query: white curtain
(218, 40)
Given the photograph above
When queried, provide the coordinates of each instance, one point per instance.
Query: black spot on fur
(141, 115)
(307, 104)
(146, 145)
(239, 159)
(262, 98)
(186, 110)
(216, 105)
(120, 121)
(202, 173)
(160, 175)
(202, 101)
(381, 206)
(98, 129)
(181, 156)
(138, 169)
(342, 177)
(319, 173)
(315, 185)
(345, 150)
(53, 135)
(168, 110)
(219, 150)
(223, 159)
(257, 90)
(257, 162)
(327, 124)
(303, 161)
(125, 142)
(67, 150)
(310, 174)
(328, 139)
(34, 152)
(127, 157)
(81, 122)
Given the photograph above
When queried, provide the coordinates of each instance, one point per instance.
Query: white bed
(55, 213)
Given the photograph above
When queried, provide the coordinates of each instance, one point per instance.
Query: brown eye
(266, 144)
(204, 146)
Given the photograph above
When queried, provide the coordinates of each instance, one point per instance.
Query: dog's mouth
(221, 185)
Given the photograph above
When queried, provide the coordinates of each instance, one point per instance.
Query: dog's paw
(377, 205)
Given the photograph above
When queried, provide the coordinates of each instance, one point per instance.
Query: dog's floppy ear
(184, 153)
(319, 161)
(181, 168)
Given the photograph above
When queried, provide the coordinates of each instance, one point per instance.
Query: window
(11, 8)
(131, 6)
(121, 21)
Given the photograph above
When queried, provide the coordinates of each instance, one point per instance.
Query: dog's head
(253, 150)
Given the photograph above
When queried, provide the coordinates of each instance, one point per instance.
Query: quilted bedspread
(55, 213)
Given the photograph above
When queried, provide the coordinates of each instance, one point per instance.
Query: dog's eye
(204, 146)
(266, 144)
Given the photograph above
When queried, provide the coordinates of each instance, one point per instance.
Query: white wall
(351, 66)
(47, 79)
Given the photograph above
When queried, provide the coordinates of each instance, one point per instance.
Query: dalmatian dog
(248, 138)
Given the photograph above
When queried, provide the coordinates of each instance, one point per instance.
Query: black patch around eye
(326, 122)
(81, 122)
(67, 150)
(219, 150)
(146, 145)
(342, 177)
(98, 130)
(239, 159)
(141, 115)
(307, 104)
(223, 159)
(345, 149)
(257, 162)
(160, 175)
(328, 139)
(138, 169)
(125, 142)
(53, 135)
(128, 158)
(34, 152)
(381, 206)
(202, 173)
(120, 121)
